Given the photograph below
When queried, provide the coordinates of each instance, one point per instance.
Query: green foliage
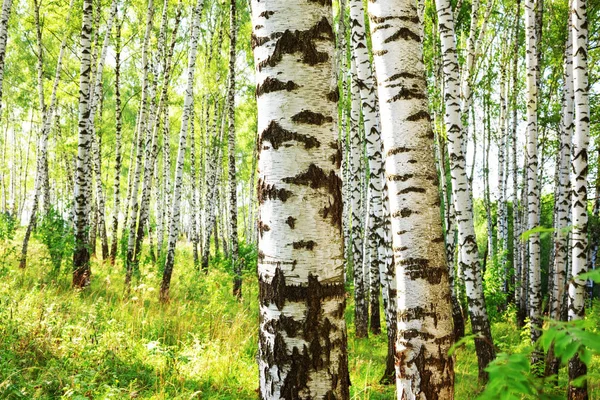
(57, 235)
(513, 377)
(8, 224)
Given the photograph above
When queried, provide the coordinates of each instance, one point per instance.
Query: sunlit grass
(58, 343)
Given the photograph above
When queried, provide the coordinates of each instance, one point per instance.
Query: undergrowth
(58, 343)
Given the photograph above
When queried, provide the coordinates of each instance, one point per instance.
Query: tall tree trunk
(374, 224)
(142, 122)
(194, 195)
(212, 179)
(233, 235)
(450, 240)
(96, 98)
(533, 201)
(516, 207)
(561, 219)
(502, 239)
(302, 336)
(46, 126)
(118, 133)
(81, 254)
(361, 307)
(424, 369)
(581, 138)
(462, 192)
(152, 130)
(188, 104)
(6, 10)
(389, 293)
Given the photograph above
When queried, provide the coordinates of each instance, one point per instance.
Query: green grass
(57, 343)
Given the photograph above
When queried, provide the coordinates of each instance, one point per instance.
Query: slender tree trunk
(559, 276)
(187, 107)
(6, 10)
(81, 254)
(361, 307)
(233, 235)
(389, 293)
(194, 195)
(118, 133)
(516, 207)
(152, 129)
(41, 184)
(581, 138)
(462, 194)
(212, 180)
(424, 369)
(141, 134)
(96, 97)
(302, 336)
(374, 224)
(533, 201)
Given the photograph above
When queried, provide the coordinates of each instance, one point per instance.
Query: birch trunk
(233, 216)
(142, 121)
(389, 293)
(361, 307)
(533, 202)
(374, 224)
(81, 255)
(517, 261)
(6, 10)
(96, 97)
(302, 336)
(118, 132)
(46, 126)
(424, 370)
(187, 107)
(461, 192)
(561, 218)
(579, 216)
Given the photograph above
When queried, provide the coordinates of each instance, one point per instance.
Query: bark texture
(423, 368)
(302, 336)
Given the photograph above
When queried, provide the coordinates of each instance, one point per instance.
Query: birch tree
(81, 254)
(233, 216)
(533, 205)
(6, 10)
(177, 182)
(423, 368)
(302, 332)
(462, 192)
(374, 224)
(579, 216)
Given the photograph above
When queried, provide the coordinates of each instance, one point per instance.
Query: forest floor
(57, 343)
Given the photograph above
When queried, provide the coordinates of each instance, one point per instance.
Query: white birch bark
(302, 336)
(461, 191)
(81, 255)
(361, 307)
(579, 165)
(233, 215)
(188, 104)
(370, 110)
(6, 10)
(424, 370)
(141, 133)
(96, 150)
(533, 201)
(48, 114)
(118, 156)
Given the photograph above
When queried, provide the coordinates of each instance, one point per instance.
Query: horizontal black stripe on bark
(299, 42)
(316, 178)
(276, 135)
(271, 85)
